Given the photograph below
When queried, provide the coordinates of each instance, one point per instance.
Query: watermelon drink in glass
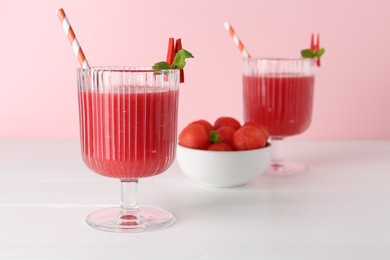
(278, 93)
(128, 128)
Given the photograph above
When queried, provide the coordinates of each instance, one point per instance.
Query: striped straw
(237, 40)
(72, 39)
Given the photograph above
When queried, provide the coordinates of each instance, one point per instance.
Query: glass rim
(129, 69)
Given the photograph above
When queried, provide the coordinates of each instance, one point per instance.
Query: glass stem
(129, 197)
(277, 153)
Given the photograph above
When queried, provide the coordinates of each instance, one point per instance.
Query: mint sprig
(310, 54)
(162, 65)
(214, 137)
(179, 61)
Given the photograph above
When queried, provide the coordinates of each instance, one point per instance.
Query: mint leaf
(320, 53)
(185, 53)
(214, 137)
(180, 59)
(308, 53)
(162, 65)
(178, 62)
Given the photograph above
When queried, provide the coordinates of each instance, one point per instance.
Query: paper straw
(72, 39)
(237, 40)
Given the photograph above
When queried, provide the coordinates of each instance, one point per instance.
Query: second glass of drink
(278, 93)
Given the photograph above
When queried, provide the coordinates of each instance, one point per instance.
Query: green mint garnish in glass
(309, 53)
(178, 62)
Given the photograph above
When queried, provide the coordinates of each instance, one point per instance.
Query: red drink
(128, 135)
(283, 103)
(128, 122)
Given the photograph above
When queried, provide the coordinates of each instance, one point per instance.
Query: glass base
(115, 220)
(286, 168)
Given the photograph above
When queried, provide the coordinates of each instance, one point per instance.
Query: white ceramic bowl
(223, 169)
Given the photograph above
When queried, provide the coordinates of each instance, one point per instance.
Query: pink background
(38, 69)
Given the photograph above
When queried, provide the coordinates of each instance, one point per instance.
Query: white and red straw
(237, 41)
(72, 39)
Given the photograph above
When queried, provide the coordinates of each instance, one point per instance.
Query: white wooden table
(339, 210)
